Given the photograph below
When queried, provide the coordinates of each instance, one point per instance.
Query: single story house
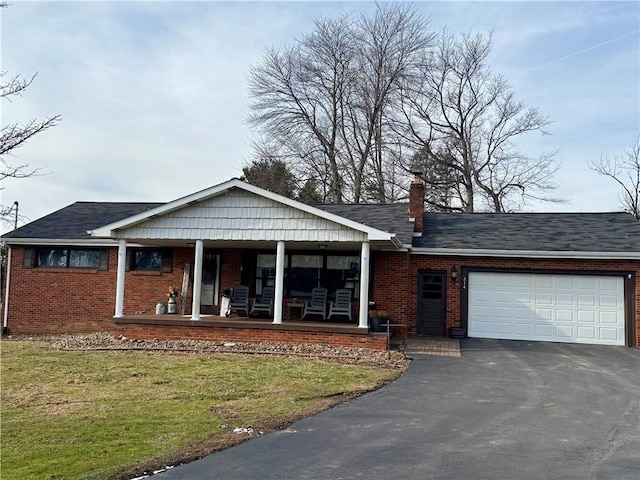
(565, 277)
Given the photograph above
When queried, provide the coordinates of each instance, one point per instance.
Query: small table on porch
(294, 305)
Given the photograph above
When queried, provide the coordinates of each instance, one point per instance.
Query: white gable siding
(240, 215)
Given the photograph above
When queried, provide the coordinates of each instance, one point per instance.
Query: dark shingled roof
(73, 221)
(580, 232)
(388, 217)
(584, 232)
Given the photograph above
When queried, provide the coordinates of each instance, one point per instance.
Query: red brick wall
(396, 281)
(143, 290)
(61, 300)
(52, 300)
(230, 268)
(209, 333)
(45, 300)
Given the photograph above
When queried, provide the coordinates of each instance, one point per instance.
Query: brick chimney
(416, 203)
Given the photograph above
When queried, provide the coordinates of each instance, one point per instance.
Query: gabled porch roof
(236, 211)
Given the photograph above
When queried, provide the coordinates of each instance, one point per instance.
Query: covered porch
(237, 235)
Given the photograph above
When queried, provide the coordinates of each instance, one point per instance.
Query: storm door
(209, 294)
(431, 303)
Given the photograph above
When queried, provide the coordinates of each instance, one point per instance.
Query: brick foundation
(209, 331)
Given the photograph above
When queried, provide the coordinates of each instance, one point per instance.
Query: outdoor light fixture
(322, 246)
(454, 273)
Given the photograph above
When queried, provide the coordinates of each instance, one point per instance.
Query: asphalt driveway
(505, 410)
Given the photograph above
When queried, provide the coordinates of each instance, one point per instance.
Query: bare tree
(625, 170)
(14, 135)
(297, 92)
(457, 112)
(389, 44)
(322, 102)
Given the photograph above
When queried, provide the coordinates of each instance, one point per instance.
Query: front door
(210, 282)
(431, 303)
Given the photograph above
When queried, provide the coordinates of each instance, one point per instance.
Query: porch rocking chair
(265, 303)
(318, 303)
(342, 304)
(239, 300)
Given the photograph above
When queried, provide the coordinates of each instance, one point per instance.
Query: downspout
(5, 323)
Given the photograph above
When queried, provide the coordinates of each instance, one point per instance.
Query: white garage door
(554, 308)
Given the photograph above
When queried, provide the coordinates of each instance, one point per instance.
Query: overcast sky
(153, 95)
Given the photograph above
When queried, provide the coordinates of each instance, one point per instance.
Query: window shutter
(127, 263)
(29, 257)
(167, 260)
(104, 259)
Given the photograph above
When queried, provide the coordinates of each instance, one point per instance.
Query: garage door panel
(498, 282)
(587, 300)
(543, 281)
(565, 283)
(503, 327)
(587, 283)
(552, 307)
(544, 298)
(543, 330)
(586, 333)
(609, 301)
(520, 328)
(586, 316)
(544, 314)
(480, 295)
(523, 281)
(608, 333)
(501, 296)
(564, 315)
(565, 299)
(565, 331)
(609, 318)
(523, 297)
(608, 285)
(484, 327)
(522, 314)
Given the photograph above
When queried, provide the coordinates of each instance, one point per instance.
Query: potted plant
(172, 295)
(378, 320)
(457, 332)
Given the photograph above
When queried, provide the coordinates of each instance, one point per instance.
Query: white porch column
(279, 290)
(363, 317)
(197, 281)
(122, 259)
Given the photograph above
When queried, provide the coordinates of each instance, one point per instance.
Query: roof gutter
(89, 242)
(464, 252)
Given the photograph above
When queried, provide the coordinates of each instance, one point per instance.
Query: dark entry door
(431, 303)
(209, 286)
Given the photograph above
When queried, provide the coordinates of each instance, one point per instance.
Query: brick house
(105, 267)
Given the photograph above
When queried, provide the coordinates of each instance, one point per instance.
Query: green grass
(91, 415)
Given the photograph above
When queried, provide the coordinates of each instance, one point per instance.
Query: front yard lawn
(106, 414)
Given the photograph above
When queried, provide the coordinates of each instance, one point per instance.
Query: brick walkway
(448, 347)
